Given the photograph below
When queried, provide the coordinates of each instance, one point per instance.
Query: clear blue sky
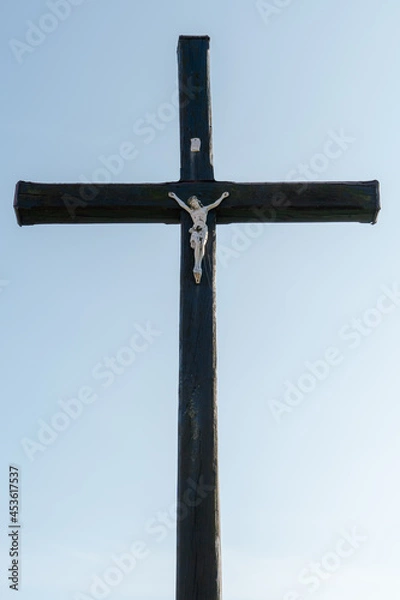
(309, 479)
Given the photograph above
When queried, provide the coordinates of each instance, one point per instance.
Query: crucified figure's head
(194, 202)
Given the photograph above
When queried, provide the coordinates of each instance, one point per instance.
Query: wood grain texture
(44, 203)
(195, 107)
(198, 531)
(198, 575)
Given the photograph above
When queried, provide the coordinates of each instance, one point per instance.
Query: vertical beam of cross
(198, 530)
(195, 108)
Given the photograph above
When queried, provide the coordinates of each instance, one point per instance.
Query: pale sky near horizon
(308, 314)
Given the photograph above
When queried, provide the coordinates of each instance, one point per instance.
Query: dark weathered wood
(43, 203)
(195, 108)
(198, 530)
(198, 575)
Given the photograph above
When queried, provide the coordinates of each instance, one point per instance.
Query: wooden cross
(198, 529)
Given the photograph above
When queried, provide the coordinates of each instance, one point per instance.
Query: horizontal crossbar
(44, 203)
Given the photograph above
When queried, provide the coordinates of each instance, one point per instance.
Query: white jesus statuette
(199, 231)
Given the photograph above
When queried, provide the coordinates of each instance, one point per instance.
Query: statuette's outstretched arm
(217, 202)
(180, 202)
